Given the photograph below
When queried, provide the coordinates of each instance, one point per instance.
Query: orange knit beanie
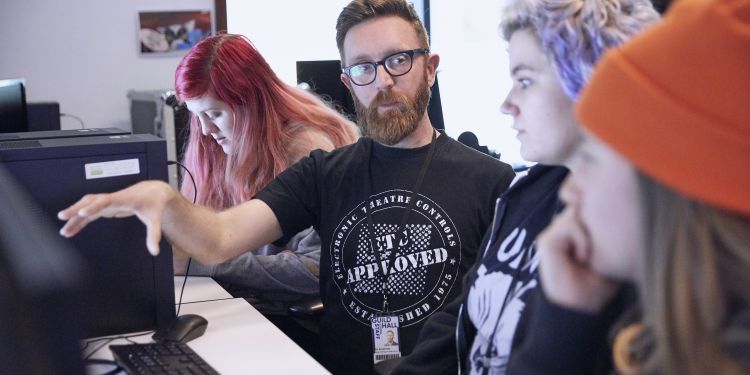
(675, 101)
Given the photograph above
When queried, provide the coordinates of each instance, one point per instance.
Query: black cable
(190, 260)
(195, 187)
(73, 116)
(184, 281)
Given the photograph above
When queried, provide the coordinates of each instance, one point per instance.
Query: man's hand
(146, 200)
(565, 266)
(179, 261)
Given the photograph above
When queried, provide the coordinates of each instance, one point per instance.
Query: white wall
(474, 73)
(289, 31)
(306, 31)
(474, 77)
(84, 54)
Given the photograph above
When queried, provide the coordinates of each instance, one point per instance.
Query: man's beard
(395, 124)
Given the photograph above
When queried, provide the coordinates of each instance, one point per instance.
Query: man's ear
(432, 65)
(345, 80)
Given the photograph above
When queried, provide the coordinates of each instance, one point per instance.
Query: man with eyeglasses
(400, 213)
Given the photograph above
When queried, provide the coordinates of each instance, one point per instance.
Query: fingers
(565, 269)
(94, 206)
(74, 225)
(564, 240)
(153, 233)
(78, 215)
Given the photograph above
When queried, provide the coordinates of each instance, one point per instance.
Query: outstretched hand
(146, 200)
(567, 276)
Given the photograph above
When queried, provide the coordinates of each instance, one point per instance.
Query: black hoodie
(471, 333)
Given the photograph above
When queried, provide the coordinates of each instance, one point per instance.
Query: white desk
(238, 340)
(198, 289)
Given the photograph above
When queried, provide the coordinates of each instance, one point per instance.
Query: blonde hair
(695, 287)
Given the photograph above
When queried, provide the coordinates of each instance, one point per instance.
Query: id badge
(385, 337)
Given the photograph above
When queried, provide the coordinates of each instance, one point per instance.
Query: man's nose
(383, 79)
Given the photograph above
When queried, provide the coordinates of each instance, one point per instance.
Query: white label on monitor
(112, 168)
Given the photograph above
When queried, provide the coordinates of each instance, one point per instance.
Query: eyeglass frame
(410, 53)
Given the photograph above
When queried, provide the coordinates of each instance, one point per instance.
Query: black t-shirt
(333, 192)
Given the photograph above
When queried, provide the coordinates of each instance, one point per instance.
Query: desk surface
(238, 340)
(199, 289)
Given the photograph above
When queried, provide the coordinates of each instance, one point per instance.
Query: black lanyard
(402, 226)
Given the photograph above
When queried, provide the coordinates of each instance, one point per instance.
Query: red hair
(269, 117)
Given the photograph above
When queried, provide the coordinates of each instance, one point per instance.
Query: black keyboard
(160, 358)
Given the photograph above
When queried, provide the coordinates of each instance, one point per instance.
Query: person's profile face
(602, 189)
(542, 112)
(215, 117)
(389, 108)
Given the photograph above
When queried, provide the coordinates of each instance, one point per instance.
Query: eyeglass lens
(396, 65)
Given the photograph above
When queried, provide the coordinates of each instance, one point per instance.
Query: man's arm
(208, 236)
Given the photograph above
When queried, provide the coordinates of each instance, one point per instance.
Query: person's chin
(528, 155)
(226, 148)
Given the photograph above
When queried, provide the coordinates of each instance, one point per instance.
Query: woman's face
(542, 112)
(602, 189)
(215, 117)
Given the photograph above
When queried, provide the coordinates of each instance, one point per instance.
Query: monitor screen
(13, 106)
(323, 77)
(40, 276)
(128, 289)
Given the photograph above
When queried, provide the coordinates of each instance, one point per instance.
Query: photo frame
(169, 33)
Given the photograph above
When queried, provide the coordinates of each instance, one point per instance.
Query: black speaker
(43, 116)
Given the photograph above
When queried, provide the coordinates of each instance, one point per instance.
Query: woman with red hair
(246, 127)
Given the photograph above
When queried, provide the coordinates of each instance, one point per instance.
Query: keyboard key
(160, 358)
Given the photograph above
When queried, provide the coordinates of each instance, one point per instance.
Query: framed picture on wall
(172, 32)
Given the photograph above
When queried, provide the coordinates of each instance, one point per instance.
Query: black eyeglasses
(398, 64)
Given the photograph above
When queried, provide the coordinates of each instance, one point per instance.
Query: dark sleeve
(294, 196)
(563, 341)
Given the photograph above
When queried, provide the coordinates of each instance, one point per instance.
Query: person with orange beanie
(659, 196)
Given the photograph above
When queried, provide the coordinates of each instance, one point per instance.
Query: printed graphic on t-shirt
(496, 325)
(421, 260)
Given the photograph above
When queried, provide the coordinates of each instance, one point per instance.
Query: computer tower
(127, 290)
(149, 114)
(49, 134)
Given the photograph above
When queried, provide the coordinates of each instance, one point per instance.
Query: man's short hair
(575, 33)
(359, 11)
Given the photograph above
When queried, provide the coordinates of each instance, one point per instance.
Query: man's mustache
(389, 96)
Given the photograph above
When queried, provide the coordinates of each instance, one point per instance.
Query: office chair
(470, 139)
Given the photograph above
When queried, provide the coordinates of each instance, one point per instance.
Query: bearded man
(400, 213)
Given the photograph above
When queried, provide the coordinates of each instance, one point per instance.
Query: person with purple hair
(553, 47)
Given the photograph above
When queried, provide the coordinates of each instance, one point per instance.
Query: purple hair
(575, 33)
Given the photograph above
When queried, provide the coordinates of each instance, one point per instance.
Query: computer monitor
(128, 289)
(40, 278)
(13, 106)
(323, 78)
